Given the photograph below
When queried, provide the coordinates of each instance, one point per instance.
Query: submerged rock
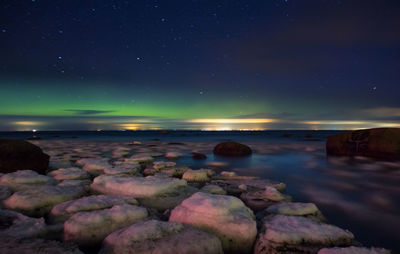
(353, 250)
(380, 143)
(232, 149)
(29, 246)
(89, 228)
(37, 202)
(225, 216)
(19, 155)
(236, 187)
(25, 179)
(63, 211)
(69, 174)
(292, 234)
(161, 237)
(17, 225)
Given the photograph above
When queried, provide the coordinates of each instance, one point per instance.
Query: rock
(175, 172)
(90, 228)
(138, 187)
(150, 171)
(232, 186)
(225, 216)
(232, 149)
(139, 159)
(217, 164)
(163, 164)
(213, 189)
(65, 210)
(173, 155)
(293, 209)
(4, 193)
(161, 237)
(19, 155)
(25, 179)
(17, 225)
(198, 156)
(353, 250)
(380, 143)
(69, 174)
(294, 234)
(84, 183)
(56, 164)
(227, 175)
(259, 200)
(94, 166)
(200, 175)
(37, 202)
(128, 169)
(39, 246)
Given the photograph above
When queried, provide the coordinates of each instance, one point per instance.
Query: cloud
(89, 111)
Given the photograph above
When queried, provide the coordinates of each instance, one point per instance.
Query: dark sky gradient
(199, 64)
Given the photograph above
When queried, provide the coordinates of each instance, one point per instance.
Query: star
(3, 30)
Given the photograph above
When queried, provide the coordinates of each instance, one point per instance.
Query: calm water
(358, 194)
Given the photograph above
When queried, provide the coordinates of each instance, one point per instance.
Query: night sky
(273, 64)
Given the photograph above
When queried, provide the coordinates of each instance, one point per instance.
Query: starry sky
(199, 64)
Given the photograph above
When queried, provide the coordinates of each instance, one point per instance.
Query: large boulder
(90, 228)
(17, 225)
(232, 149)
(37, 202)
(65, 210)
(161, 237)
(29, 246)
(19, 155)
(69, 174)
(25, 179)
(293, 234)
(225, 216)
(380, 143)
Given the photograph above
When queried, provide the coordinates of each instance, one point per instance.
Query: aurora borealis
(287, 64)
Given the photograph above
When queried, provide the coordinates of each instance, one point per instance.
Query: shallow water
(357, 194)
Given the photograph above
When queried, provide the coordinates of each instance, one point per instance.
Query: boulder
(138, 187)
(25, 179)
(90, 228)
(19, 155)
(161, 237)
(225, 216)
(127, 169)
(39, 201)
(29, 246)
(65, 210)
(259, 200)
(69, 174)
(173, 155)
(198, 156)
(213, 189)
(163, 164)
(236, 187)
(294, 234)
(175, 172)
(353, 250)
(200, 175)
(380, 143)
(4, 193)
(94, 166)
(17, 225)
(232, 149)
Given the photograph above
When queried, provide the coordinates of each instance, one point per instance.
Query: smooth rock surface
(162, 238)
(232, 149)
(353, 250)
(17, 225)
(88, 228)
(199, 175)
(69, 174)
(213, 189)
(225, 216)
(65, 210)
(36, 246)
(25, 179)
(94, 166)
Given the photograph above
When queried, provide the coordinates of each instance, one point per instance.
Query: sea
(359, 194)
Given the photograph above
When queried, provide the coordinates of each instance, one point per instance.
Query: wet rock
(29, 246)
(173, 155)
(69, 174)
(380, 143)
(236, 187)
(163, 164)
(25, 179)
(308, 210)
(94, 166)
(139, 187)
(161, 237)
(63, 211)
(175, 172)
(4, 193)
(89, 228)
(228, 175)
(19, 155)
(200, 175)
(213, 189)
(17, 225)
(232, 149)
(128, 169)
(56, 164)
(353, 250)
(198, 156)
(225, 216)
(259, 200)
(37, 202)
(294, 234)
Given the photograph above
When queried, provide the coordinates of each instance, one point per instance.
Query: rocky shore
(134, 197)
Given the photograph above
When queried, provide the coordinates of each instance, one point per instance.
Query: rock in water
(232, 149)
(294, 234)
(89, 228)
(353, 250)
(380, 143)
(25, 180)
(225, 216)
(161, 237)
(19, 155)
(17, 225)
